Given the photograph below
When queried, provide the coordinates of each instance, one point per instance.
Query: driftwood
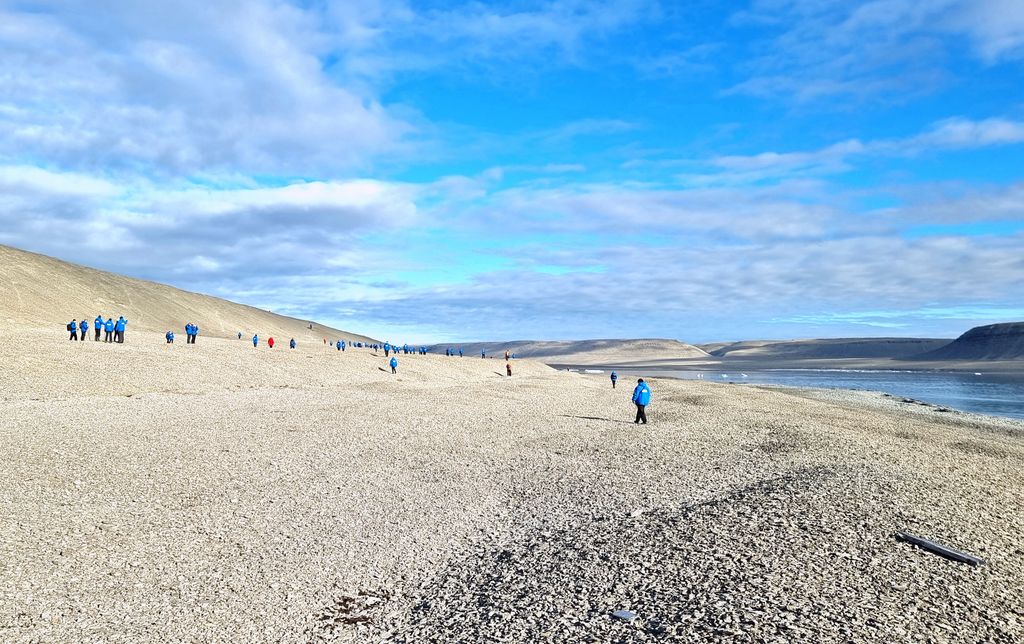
(939, 549)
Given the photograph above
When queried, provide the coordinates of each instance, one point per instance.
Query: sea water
(993, 394)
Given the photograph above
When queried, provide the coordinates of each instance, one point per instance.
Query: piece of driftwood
(939, 549)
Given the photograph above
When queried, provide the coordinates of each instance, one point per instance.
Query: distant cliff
(823, 349)
(991, 342)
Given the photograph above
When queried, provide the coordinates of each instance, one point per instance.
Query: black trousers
(613, 384)
(394, 370)
(106, 335)
(74, 336)
(641, 416)
(98, 334)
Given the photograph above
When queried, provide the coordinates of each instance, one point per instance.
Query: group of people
(113, 331)
(191, 331)
(405, 348)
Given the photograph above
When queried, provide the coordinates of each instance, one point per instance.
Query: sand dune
(583, 352)
(41, 291)
(991, 342)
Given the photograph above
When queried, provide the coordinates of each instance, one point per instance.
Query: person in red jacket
(270, 342)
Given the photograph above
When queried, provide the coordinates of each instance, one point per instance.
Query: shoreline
(745, 380)
(999, 367)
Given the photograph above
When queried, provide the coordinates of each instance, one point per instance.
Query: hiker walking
(169, 336)
(615, 377)
(97, 324)
(83, 327)
(291, 345)
(108, 330)
(255, 340)
(508, 369)
(641, 398)
(387, 349)
(506, 355)
(73, 330)
(394, 365)
(270, 342)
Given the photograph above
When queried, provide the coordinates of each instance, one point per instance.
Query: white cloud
(950, 134)
(965, 133)
(193, 88)
(34, 180)
(887, 49)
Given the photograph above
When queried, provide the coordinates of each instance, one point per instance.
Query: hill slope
(830, 348)
(990, 342)
(41, 291)
(583, 352)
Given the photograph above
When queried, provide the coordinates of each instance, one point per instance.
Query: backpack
(69, 326)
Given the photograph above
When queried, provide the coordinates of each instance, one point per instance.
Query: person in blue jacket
(338, 345)
(460, 352)
(98, 325)
(387, 349)
(169, 336)
(239, 335)
(342, 345)
(255, 340)
(615, 377)
(108, 330)
(394, 365)
(73, 330)
(483, 354)
(291, 344)
(641, 398)
(83, 326)
(119, 328)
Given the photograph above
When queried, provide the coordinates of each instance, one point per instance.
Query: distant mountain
(824, 349)
(582, 352)
(40, 290)
(991, 342)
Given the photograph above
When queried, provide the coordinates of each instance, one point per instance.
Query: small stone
(625, 615)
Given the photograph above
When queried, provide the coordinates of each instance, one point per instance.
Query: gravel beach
(217, 492)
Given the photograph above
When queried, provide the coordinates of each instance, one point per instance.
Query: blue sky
(532, 170)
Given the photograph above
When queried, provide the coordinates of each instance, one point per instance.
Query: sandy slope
(223, 493)
(40, 291)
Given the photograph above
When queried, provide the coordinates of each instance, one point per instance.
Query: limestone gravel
(218, 492)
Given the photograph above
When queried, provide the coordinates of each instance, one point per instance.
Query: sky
(443, 171)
